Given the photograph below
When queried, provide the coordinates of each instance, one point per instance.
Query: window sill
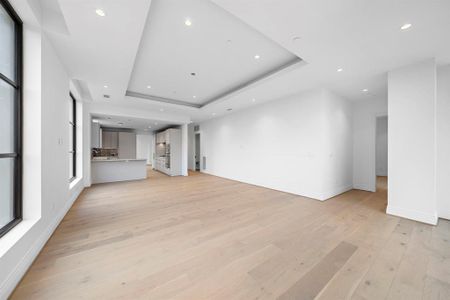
(14, 235)
(74, 182)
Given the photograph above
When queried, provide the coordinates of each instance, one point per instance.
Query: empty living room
(225, 149)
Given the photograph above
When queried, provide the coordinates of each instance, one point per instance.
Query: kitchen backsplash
(99, 152)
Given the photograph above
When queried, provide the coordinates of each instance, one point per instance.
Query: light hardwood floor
(204, 237)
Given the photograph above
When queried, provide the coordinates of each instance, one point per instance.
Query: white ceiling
(98, 51)
(362, 37)
(147, 125)
(218, 47)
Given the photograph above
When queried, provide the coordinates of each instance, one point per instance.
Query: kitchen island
(113, 169)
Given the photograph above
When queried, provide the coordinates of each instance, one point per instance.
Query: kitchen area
(124, 149)
(168, 152)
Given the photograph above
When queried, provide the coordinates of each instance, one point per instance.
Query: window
(73, 138)
(10, 118)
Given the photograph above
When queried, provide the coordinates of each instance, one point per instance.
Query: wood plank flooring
(204, 237)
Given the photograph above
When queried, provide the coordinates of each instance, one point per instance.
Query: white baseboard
(444, 215)
(364, 187)
(8, 286)
(315, 195)
(412, 214)
(335, 191)
(307, 194)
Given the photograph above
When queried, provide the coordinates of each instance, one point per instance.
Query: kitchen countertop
(118, 159)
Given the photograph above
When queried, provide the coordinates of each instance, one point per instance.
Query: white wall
(338, 146)
(47, 194)
(184, 149)
(412, 138)
(143, 147)
(382, 146)
(443, 142)
(300, 145)
(364, 136)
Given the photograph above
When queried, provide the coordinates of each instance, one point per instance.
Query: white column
(184, 149)
(443, 142)
(412, 142)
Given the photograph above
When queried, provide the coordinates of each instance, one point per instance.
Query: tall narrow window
(73, 138)
(10, 118)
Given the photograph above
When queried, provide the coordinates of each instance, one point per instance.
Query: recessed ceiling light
(406, 26)
(149, 126)
(213, 114)
(257, 56)
(105, 86)
(156, 123)
(253, 100)
(95, 121)
(194, 97)
(188, 22)
(100, 12)
(161, 109)
(365, 90)
(120, 123)
(149, 86)
(340, 70)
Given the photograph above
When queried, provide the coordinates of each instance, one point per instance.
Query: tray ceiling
(193, 53)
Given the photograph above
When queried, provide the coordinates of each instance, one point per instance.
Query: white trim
(412, 214)
(8, 286)
(363, 187)
(74, 183)
(314, 195)
(445, 215)
(12, 237)
(335, 192)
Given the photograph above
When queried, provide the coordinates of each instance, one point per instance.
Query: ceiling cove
(194, 53)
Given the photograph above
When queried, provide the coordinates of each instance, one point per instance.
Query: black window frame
(16, 83)
(73, 151)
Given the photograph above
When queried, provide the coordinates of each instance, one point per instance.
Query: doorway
(381, 152)
(197, 152)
